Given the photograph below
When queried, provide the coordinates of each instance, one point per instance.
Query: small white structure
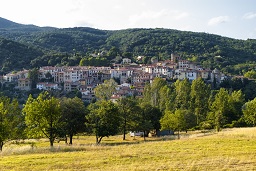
(133, 134)
(47, 86)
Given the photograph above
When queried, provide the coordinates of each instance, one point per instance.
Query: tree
(200, 93)
(151, 116)
(11, 121)
(167, 98)
(73, 116)
(173, 121)
(105, 90)
(103, 119)
(182, 89)
(249, 111)
(128, 107)
(219, 108)
(250, 74)
(156, 85)
(33, 76)
(236, 101)
(151, 92)
(43, 116)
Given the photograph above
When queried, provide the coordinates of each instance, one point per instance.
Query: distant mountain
(209, 50)
(7, 24)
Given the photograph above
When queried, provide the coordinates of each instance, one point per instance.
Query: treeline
(59, 45)
(179, 106)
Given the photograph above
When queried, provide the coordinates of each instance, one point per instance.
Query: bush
(206, 125)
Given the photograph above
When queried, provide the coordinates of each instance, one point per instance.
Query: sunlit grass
(231, 149)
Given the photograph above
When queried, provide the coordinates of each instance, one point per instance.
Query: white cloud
(249, 15)
(218, 20)
(155, 15)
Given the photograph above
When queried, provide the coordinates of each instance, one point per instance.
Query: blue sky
(230, 18)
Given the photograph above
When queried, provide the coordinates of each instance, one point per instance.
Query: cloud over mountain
(218, 20)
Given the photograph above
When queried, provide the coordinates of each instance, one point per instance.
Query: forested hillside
(59, 45)
(16, 56)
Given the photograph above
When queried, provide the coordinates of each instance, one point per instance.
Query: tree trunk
(70, 139)
(124, 129)
(51, 142)
(144, 135)
(1, 145)
(99, 140)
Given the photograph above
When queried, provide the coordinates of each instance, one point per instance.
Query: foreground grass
(233, 149)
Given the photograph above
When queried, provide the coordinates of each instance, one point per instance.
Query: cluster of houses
(132, 77)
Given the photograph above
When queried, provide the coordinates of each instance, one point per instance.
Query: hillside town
(131, 77)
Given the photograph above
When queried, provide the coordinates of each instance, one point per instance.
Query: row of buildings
(131, 76)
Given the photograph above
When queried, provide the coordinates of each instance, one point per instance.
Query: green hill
(211, 51)
(16, 56)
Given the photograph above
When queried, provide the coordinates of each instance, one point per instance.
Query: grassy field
(231, 149)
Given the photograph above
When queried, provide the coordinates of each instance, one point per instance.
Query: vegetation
(178, 105)
(11, 121)
(43, 117)
(103, 119)
(39, 46)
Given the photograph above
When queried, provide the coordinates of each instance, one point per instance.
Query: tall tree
(173, 121)
(11, 121)
(167, 98)
(73, 116)
(200, 93)
(105, 90)
(103, 119)
(156, 85)
(182, 89)
(150, 116)
(236, 101)
(33, 76)
(249, 111)
(128, 108)
(43, 116)
(219, 108)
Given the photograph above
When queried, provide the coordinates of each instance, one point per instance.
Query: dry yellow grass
(231, 149)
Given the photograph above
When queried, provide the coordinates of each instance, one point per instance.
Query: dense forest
(34, 46)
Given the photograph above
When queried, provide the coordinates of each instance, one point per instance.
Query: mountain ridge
(209, 50)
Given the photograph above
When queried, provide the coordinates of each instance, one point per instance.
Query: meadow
(230, 149)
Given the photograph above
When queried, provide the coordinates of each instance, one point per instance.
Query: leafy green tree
(219, 108)
(167, 98)
(250, 91)
(43, 116)
(103, 119)
(128, 109)
(173, 121)
(11, 121)
(236, 101)
(105, 90)
(249, 111)
(200, 93)
(250, 74)
(151, 116)
(33, 76)
(73, 116)
(4, 126)
(156, 85)
(182, 89)
(151, 91)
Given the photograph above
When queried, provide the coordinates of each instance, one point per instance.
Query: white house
(47, 86)
(126, 61)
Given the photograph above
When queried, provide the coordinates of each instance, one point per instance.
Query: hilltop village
(131, 77)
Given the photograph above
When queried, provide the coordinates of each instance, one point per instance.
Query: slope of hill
(212, 51)
(16, 56)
